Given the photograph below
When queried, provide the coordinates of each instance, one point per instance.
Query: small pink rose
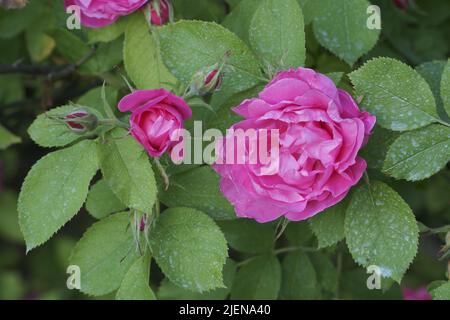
(416, 294)
(156, 116)
(321, 130)
(100, 13)
(159, 11)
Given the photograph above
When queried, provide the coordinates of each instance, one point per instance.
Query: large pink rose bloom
(156, 118)
(321, 130)
(100, 13)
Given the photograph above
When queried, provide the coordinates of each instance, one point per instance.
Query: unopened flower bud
(81, 121)
(402, 4)
(206, 80)
(160, 11)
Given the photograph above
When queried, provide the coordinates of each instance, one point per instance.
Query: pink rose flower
(321, 130)
(416, 294)
(156, 116)
(161, 17)
(100, 13)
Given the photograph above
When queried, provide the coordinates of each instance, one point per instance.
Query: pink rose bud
(156, 116)
(416, 294)
(142, 224)
(320, 130)
(206, 81)
(81, 121)
(214, 79)
(160, 11)
(100, 13)
(402, 4)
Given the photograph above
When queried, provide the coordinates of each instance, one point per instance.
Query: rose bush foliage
(364, 124)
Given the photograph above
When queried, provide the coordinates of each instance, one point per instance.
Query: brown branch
(52, 73)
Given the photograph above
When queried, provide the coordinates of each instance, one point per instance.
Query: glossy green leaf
(104, 255)
(396, 94)
(102, 201)
(135, 282)
(381, 230)
(126, 167)
(328, 226)
(189, 248)
(417, 155)
(54, 191)
(342, 28)
(277, 33)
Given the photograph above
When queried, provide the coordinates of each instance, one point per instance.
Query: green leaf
(101, 201)
(326, 272)
(396, 94)
(141, 56)
(442, 292)
(9, 224)
(417, 155)
(198, 189)
(445, 87)
(54, 191)
(169, 291)
(299, 279)
(135, 283)
(240, 18)
(204, 44)
(299, 232)
(189, 248)
(104, 254)
(259, 279)
(107, 33)
(277, 33)
(126, 167)
(432, 72)
(311, 9)
(93, 99)
(248, 236)
(342, 28)
(7, 138)
(49, 133)
(381, 230)
(328, 226)
(376, 150)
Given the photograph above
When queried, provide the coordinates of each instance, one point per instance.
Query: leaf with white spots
(101, 201)
(381, 230)
(445, 87)
(328, 226)
(126, 167)
(277, 33)
(342, 28)
(199, 189)
(104, 254)
(442, 292)
(135, 284)
(141, 55)
(189, 248)
(189, 46)
(54, 191)
(418, 154)
(396, 94)
(48, 132)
